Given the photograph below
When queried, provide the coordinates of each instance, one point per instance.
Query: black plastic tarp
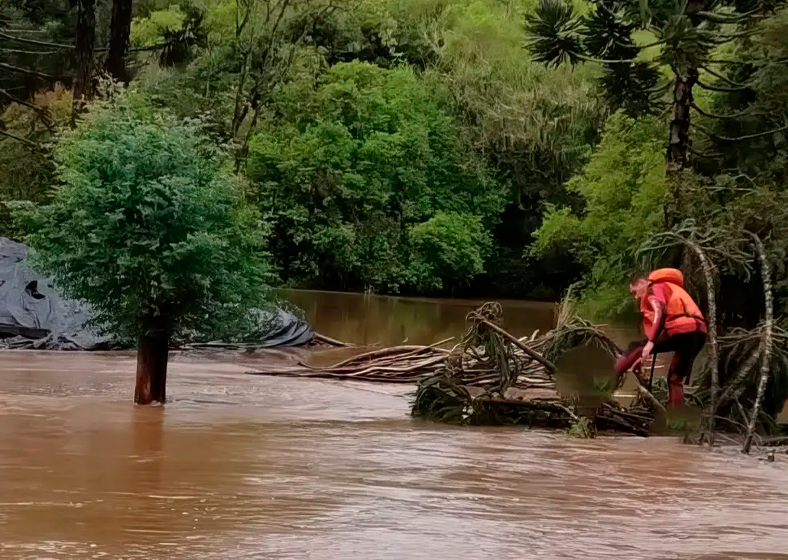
(34, 315)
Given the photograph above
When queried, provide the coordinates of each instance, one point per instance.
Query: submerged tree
(149, 228)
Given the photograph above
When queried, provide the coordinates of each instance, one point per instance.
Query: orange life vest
(682, 314)
(672, 275)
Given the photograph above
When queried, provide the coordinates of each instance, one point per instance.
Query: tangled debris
(492, 377)
(520, 385)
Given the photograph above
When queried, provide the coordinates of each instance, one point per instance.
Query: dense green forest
(505, 148)
(393, 147)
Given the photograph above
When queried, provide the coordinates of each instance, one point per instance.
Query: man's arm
(659, 323)
(659, 318)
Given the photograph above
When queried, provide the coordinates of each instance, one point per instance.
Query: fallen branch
(330, 341)
(532, 353)
(34, 42)
(651, 398)
(27, 72)
(24, 141)
(409, 350)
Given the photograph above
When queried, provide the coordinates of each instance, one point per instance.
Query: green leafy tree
(448, 249)
(745, 127)
(534, 124)
(621, 187)
(233, 53)
(151, 229)
(349, 164)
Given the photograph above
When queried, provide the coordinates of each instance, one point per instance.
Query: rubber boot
(675, 390)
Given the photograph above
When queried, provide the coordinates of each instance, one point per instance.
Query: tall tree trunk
(766, 278)
(119, 40)
(152, 357)
(678, 145)
(86, 34)
(679, 142)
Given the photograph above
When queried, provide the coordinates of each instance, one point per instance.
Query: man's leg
(676, 373)
(685, 348)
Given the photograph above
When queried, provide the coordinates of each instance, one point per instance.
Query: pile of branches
(518, 384)
(745, 379)
(398, 364)
(486, 355)
(489, 376)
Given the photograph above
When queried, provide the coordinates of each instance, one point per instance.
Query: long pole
(653, 365)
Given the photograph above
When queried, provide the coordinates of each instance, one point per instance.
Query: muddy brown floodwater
(238, 467)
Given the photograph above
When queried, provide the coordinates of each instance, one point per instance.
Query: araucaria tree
(151, 229)
(635, 41)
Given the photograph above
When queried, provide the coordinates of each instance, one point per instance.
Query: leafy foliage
(27, 166)
(687, 45)
(607, 35)
(581, 428)
(147, 225)
(555, 33)
(623, 186)
(447, 249)
(684, 34)
(179, 34)
(353, 173)
(630, 86)
(534, 124)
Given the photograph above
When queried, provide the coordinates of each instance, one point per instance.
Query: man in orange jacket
(672, 322)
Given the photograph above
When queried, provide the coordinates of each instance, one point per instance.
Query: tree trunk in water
(714, 351)
(766, 277)
(679, 143)
(119, 40)
(86, 33)
(152, 356)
